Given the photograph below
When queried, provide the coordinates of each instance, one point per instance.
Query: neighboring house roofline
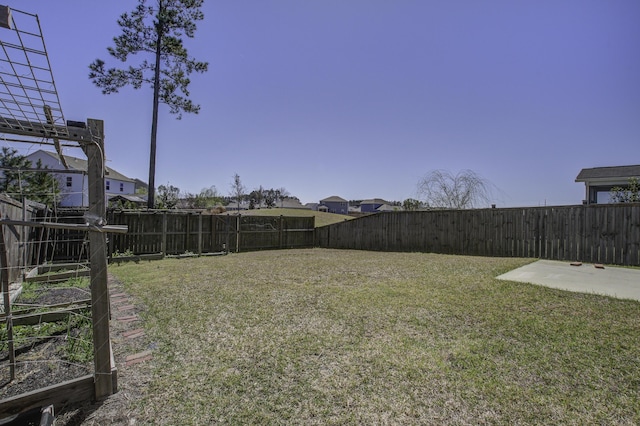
(374, 201)
(333, 199)
(79, 164)
(595, 174)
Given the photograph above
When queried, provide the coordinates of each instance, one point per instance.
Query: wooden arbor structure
(30, 112)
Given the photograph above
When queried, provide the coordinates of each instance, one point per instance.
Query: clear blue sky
(362, 98)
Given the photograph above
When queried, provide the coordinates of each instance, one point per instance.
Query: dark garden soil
(45, 362)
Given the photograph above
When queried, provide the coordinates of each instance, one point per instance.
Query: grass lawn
(351, 337)
(322, 218)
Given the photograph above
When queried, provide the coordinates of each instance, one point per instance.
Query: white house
(74, 186)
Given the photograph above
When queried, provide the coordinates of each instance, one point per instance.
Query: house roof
(81, 165)
(126, 197)
(374, 201)
(387, 208)
(290, 204)
(616, 172)
(334, 199)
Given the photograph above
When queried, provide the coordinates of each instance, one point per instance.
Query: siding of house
(335, 205)
(372, 206)
(369, 208)
(77, 194)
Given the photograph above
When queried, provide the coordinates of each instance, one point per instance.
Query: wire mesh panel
(30, 111)
(29, 102)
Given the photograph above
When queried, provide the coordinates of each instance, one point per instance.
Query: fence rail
(595, 233)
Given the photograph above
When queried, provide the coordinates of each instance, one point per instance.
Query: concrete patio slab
(622, 283)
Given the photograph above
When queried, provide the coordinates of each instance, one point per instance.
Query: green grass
(347, 337)
(322, 218)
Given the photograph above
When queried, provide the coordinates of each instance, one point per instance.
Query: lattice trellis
(30, 111)
(29, 101)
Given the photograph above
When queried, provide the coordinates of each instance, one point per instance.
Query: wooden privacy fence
(22, 243)
(595, 233)
(179, 232)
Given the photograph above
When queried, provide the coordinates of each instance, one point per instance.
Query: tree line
(169, 197)
(438, 189)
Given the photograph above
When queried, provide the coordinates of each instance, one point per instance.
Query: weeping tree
(464, 190)
(154, 31)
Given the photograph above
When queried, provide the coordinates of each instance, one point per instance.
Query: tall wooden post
(163, 243)
(98, 259)
(6, 292)
(238, 232)
(199, 233)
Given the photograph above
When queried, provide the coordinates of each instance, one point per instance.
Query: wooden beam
(30, 309)
(39, 130)
(5, 17)
(40, 317)
(60, 276)
(114, 229)
(69, 392)
(98, 259)
(55, 267)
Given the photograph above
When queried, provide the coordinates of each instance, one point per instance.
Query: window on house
(121, 187)
(69, 181)
(108, 185)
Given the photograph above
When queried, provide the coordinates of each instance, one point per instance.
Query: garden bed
(52, 336)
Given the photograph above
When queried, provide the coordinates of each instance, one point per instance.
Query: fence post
(238, 233)
(163, 243)
(4, 278)
(94, 151)
(199, 233)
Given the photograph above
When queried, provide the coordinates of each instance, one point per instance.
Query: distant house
(126, 201)
(372, 206)
(388, 208)
(291, 203)
(141, 186)
(74, 186)
(312, 206)
(334, 204)
(599, 181)
(233, 205)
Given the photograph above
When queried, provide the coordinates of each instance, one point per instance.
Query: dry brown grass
(350, 337)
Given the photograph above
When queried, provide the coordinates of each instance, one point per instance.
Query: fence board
(607, 233)
(178, 232)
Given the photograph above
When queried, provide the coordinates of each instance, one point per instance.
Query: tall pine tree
(155, 31)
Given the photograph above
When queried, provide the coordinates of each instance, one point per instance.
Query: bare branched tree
(465, 190)
(237, 190)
